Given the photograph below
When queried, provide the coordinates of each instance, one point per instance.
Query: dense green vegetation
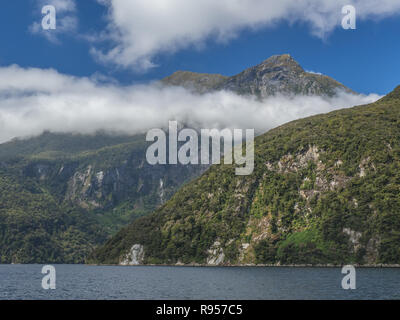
(325, 189)
(63, 194)
(35, 228)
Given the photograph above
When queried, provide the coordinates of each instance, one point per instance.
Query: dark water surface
(113, 282)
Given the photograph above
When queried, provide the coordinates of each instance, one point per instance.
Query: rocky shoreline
(256, 265)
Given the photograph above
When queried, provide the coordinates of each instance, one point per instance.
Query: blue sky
(95, 71)
(365, 59)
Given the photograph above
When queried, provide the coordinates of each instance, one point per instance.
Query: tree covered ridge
(325, 189)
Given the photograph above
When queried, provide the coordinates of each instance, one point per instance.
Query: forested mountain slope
(325, 189)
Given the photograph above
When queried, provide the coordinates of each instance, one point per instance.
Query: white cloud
(67, 21)
(142, 29)
(313, 72)
(34, 100)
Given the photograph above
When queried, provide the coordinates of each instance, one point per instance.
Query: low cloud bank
(35, 100)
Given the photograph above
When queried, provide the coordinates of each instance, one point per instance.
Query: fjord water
(152, 282)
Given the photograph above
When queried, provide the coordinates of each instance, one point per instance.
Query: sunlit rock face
(279, 74)
(134, 257)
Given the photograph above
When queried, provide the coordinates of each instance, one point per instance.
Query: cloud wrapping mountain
(33, 100)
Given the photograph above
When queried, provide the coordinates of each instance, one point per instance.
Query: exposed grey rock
(216, 254)
(279, 74)
(134, 257)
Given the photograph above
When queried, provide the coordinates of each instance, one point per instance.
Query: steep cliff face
(104, 179)
(325, 189)
(279, 74)
(106, 187)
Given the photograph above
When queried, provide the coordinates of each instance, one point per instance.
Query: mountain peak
(279, 74)
(280, 58)
(283, 61)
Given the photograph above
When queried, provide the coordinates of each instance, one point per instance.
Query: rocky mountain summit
(278, 74)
